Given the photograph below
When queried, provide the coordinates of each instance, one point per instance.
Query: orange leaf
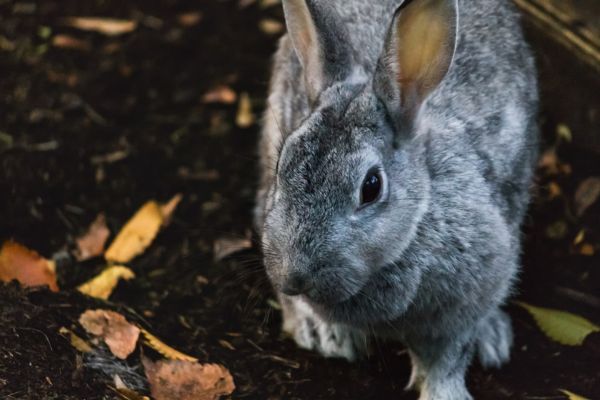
(26, 266)
(119, 335)
(184, 380)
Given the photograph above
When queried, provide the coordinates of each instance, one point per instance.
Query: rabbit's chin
(385, 297)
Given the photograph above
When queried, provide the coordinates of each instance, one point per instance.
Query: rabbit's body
(434, 258)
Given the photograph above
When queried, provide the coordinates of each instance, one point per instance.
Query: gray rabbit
(396, 162)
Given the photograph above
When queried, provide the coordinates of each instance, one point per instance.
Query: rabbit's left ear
(418, 53)
(320, 42)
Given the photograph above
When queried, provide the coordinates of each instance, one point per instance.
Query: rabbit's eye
(371, 188)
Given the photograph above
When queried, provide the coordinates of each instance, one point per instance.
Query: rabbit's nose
(296, 283)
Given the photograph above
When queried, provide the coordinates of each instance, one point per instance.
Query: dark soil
(139, 96)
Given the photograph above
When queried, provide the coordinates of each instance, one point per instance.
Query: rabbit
(396, 163)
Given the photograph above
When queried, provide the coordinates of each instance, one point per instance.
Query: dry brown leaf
(26, 266)
(554, 190)
(164, 349)
(245, 117)
(586, 195)
(136, 235)
(103, 285)
(70, 42)
(189, 19)
(549, 162)
(119, 335)
(184, 380)
(225, 247)
(77, 342)
(587, 250)
(106, 26)
(92, 243)
(220, 94)
(169, 207)
(271, 26)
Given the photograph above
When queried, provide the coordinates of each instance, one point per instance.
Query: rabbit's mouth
(384, 296)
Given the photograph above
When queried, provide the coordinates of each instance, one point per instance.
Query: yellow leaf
(77, 342)
(560, 326)
(136, 235)
(245, 118)
(103, 285)
(572, 396)
(167, 351)
(106, 26)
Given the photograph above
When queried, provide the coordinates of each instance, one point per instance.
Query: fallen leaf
(102, 286)
(225, 247)
(26, 266)
(220, 94)
(563, 132)
(106, 26)
(70, 42)
(136, 235)
(92, 243)
(572, 396)
(126, 393)
(245, 118)
(554, 190)
(77, 342)
(557, 230)
(579, 238)
(269, 3)
(549, 161)
(156, 344)
(169, 207)
(587, 250)
(184, 380)
(586, 195)
(560, 326)
(119, 335)
(189, 19)
(270, 26)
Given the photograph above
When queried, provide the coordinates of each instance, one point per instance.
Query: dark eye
(371, 188)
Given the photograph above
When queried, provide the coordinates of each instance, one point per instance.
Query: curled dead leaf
(156, 344)
(70, 42)
(92, 243)
(103, 285)
(25, 265)
(271, 26)
(184, 380)
(105, 26)
(245, 118)
(119, 335)
(220, 94)
(225, 247)
(189, 19)
(586, 195)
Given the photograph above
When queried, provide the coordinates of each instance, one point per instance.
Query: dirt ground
(120, 120)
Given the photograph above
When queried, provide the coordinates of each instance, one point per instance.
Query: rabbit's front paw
(495, 339)
(311, 332)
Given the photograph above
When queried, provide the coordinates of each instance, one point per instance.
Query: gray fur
(431, 263)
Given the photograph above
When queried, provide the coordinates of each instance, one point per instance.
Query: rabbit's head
(351, 181)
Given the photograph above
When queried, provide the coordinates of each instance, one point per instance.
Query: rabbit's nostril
(295, 284)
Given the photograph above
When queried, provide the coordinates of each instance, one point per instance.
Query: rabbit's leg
(494, 339)
(439, 367)
(311, 332)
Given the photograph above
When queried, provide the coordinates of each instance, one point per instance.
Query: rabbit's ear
(320, 42)
(418, 53)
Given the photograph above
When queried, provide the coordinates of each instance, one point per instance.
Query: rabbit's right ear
(320, 42)
(418, 53)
